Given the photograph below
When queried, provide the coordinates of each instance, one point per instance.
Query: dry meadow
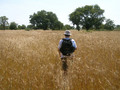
(29, 60)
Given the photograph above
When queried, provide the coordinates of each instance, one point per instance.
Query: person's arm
(59, 52)
(74, 44)
(59, 46)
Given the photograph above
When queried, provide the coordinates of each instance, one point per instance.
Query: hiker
(66, 48)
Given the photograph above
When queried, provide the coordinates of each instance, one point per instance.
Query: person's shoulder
(72, 39)
(61, 40)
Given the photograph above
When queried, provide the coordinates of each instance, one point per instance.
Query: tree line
(89, 17)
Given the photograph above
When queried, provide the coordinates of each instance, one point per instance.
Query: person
(66, 48)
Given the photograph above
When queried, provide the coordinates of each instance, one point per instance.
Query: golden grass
(29, 61)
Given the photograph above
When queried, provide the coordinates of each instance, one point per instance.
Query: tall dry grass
(29, 61)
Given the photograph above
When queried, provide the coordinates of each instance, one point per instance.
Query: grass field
(29, 60)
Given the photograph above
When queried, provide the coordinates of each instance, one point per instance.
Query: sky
(19, 10)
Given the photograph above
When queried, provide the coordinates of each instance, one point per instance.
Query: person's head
(67, 33)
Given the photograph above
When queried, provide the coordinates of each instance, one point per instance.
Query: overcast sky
(20, 10)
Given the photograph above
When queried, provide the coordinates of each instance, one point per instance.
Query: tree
(68, 27)
(117, 27)
(3, 21)
(109, 25)
(58, 25)
(44, 20)
(90, 16)
(13, 26)
(29, 26)
(21, 26)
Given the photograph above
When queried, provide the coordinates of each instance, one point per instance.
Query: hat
(67, 32)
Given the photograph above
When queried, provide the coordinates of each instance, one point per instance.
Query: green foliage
(109, 25)
(3, 22)
(22, 26)
(117, 27)
(68, 27)
(29, 26)
(13, 26)
(90, 16)
(58, 26)
(19, 27)
(27, 29)
(45, 20)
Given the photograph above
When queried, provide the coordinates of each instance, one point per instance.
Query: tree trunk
(78, 28)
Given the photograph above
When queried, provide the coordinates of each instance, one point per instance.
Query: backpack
(67, 47)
